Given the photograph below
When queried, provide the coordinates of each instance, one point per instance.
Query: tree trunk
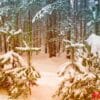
(75, 20)
(97, 24)
(5, 44)
(51, 32)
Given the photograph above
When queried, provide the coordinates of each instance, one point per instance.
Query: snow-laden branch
(47, 10)
(13, 32)
(17, 75)
(10, 56)
(74, 45)
(27, 49)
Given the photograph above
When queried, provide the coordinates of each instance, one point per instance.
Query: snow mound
(94, 41)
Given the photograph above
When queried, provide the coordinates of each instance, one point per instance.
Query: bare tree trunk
(97, 24)
(16, 39)
(30, 27)
(1, 43)
(81, 29)
(51, 34)
(5, 44)
(4, 38)
(75, 19)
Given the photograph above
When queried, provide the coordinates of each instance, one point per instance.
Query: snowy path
(49, 80)
(47, 86)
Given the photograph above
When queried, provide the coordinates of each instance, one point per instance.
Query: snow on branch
(13, 32)
(27, 49)
(2, 31)
(17, 75)
(74, 45)
(10, 56)
(47, 10)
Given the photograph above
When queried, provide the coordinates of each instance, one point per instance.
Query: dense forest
(65, 30)
(75, 19)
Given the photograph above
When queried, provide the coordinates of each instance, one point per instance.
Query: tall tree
(97, 23)
(82, 14)
(76, 19)
(51, 31)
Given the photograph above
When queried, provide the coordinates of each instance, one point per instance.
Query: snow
(46, 10)
(14, 32)
(72, 3)
(27, 49)
(3, 31)
(62, 68)
(90, 23)
(94, 41)
(77, 45)
(9, 57)
(48, 83)
(40, 14)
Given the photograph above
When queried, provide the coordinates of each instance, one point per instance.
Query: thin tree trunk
(5, 44)
(75, 19)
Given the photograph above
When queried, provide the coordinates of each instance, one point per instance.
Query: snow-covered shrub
(15, 75)
(79, 82)
(80, 87)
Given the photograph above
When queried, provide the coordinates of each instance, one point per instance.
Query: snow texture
(94, 41)
(45, 10)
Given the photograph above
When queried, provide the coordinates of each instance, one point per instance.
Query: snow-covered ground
(49, 80)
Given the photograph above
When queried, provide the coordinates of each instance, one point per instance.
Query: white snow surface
(94, 41)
